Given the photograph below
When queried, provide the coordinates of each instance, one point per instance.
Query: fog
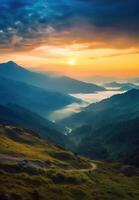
(75, 108)
(95, 97)
(66, 111)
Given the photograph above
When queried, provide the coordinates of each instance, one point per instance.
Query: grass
(64, 185)
(32, 181)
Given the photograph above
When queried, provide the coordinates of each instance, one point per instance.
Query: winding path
(4, 158)
(92, 168)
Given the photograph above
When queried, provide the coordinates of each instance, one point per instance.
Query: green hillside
(118, 141)
(32, 168)
(108, 129)
(117, 108)
(21, 117)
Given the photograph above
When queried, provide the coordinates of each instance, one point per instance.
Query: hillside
(118, 107)
(108, 129)
(36, 99)
(116, 141)
(21, 117)
(31, 168)
(66, 85)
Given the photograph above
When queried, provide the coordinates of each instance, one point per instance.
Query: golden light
(72, 61)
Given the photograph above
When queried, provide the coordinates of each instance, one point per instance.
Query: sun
(72, 61)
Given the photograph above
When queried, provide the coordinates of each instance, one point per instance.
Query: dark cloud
(33, 21)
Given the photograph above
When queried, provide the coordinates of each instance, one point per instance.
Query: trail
(92, 168)
(4, 158)
(16, 160)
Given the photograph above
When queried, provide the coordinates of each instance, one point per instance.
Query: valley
(69, 100)
(83, 146)
(86, 100)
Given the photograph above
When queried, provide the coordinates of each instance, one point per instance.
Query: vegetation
(19, 116)
(120, 141)
(109, 129)
(32, 168)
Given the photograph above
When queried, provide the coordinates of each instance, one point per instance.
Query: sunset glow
(90, 36)
(69, 99)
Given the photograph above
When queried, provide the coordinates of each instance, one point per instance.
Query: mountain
(121, 86)
(101, 79)
(117, 84)
(18, 116)
(108, 129)
(33, 98)
(33, 169)
(116, 141)
(13, 71)
(118, 107)
(70, 85)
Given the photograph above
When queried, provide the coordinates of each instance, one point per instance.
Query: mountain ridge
(112, 103)
(108, 129)
(60, 84)
(19, 116)
(34, 98)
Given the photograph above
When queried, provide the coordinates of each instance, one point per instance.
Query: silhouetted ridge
(133, 92)
(61, 84)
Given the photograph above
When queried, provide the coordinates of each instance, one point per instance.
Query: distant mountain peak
(61, 84)
(11, 62)
(10, 67)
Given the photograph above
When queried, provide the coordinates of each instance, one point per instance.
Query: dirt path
(4, 158)
(7, 158)
(92, 168)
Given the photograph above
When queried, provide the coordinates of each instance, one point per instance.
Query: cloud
(27, 24)
(113, 54)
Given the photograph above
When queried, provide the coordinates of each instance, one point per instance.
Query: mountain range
(26, 101)
(61, 84)
(108, 129)
(18, 116)
(121, 86)
(36, 99)
(35, 154)
(117, 107)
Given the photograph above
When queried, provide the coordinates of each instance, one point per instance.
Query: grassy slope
(19, 116)
(30, 180)
(119, 141)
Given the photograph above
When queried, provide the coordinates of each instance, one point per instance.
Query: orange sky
(73, 37)
(78, 60)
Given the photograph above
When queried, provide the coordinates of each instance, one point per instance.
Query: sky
(72, 37)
